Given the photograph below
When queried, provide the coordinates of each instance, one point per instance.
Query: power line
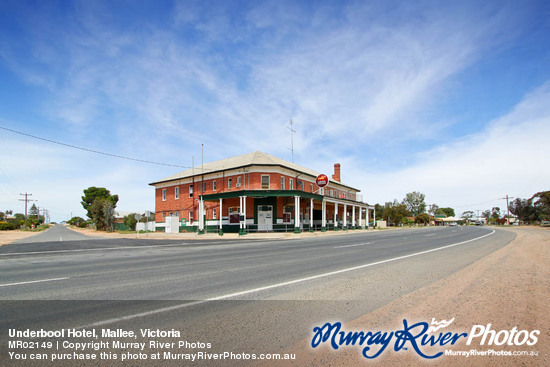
(91, 150)
(484, 202)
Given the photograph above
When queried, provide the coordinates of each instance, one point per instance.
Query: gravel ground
(508, 288)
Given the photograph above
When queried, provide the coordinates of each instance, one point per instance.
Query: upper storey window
(265, 182)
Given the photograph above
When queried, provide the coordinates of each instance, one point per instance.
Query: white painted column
(324, 215)
(374, 217)
(353, 223)
(335, 215)
(360, 217)
(240, 211)
(296, 213)
(244, 211)
(221, 208)
(201, 215)
(345, 215)
(311, 217)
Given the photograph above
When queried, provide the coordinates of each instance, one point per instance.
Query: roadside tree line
(535, 209)
(411, 210)
(10, 221)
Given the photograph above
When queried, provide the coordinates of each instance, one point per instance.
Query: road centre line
(33, 281)
(431, 234)
(273, 286)
(357, 244)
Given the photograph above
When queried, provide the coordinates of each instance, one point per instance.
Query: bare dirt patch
(7, 237)
(509, 288)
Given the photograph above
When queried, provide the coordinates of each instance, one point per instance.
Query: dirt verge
(509, 288)
(7, 237)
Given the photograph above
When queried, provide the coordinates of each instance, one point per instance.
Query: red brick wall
(249, 181)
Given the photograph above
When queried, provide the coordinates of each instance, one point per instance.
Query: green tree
(542, 205)
(422, 218)
(20, 217)
(33, 211)
(414, 202)
(449, 212)
(77, 221)
(130, 221)
(395, 213)
(432, 209)
(468, 214)
(100, 206)
(523, 209)
(92, 193)
(34, 217)
(379, 209)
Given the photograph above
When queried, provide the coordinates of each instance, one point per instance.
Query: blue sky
(446, 98)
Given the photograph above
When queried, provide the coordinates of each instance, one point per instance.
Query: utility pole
(507, 207)
(292, 132)
(26, 200)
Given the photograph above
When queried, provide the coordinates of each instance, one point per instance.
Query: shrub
(8, 226)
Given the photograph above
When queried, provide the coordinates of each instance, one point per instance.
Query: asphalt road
(227, 292)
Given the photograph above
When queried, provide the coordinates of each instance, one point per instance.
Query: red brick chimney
(336, 175)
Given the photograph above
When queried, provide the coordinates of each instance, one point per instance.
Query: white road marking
(357, 244)
(33, 281)
(431, 234)
(273, 286)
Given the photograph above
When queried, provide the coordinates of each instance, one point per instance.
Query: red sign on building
(322, 180)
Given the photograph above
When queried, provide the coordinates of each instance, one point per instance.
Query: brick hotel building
(256, 192)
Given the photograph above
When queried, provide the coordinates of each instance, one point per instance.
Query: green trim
(262, 193)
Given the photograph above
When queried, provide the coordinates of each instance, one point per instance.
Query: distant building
(257, 192)
(119, 218)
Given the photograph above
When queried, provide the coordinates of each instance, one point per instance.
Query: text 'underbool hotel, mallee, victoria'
(257, 192)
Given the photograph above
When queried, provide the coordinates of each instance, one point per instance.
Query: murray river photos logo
(418, 337)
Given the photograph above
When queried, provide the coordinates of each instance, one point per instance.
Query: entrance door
(265, 218)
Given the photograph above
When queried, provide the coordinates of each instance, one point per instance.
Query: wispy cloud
(508, 157)
(367, 83)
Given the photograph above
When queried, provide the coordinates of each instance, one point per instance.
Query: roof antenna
(292, 132)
